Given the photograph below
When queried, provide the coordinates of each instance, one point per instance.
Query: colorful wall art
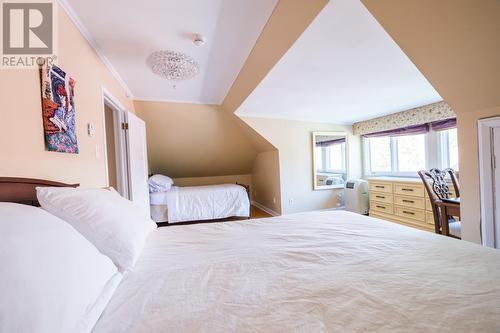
(58, 107)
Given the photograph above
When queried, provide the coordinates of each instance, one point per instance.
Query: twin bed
(173, 204)
(200, 203)
(308, 272)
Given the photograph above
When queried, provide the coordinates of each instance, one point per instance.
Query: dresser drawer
(410, 213)
(429, 218)
(416, 190)
(428, 205)
(381, 187)
(412, 202)
(381, 207)
(381, 197)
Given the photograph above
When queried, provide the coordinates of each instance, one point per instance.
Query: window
(410, 156)
(448, 151)
(331, 159)
(403, 155)
(380, 154)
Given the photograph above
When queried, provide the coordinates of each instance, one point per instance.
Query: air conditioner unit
(356, 196)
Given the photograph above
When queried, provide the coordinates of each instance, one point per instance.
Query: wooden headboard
(22, 190)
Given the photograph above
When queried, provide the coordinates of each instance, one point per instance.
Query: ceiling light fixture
(172, 65)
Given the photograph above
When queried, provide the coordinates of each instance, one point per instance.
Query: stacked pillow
(61, 264)
(160, 183)
(115, 225)
(52, 278)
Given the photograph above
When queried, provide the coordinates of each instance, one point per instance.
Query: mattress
(158, 198)
(196, 203)
(329, 271)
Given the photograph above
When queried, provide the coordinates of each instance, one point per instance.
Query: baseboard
(264, 208)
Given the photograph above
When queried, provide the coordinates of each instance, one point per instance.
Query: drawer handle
(407, 189)
(408, 201)
(380, 207)
(379, 186)
(407, 212)
(380, 197)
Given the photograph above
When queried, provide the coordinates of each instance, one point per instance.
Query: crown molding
(173, 100)
(86, 34)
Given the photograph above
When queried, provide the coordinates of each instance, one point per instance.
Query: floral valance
(426, 114)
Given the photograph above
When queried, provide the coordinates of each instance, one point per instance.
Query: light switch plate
(91, 130)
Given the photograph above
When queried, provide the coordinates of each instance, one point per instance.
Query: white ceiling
(127, 31)
(344, 68)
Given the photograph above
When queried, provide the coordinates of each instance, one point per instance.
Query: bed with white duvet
(197, 203)
(329, 271)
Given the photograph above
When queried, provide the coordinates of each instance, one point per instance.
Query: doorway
(110, 146)
(125, 152)
(489, 180)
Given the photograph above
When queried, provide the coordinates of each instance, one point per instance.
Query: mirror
(329, 160)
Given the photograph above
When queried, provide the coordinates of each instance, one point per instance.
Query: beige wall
(200, 181)
(266, 180)
(456, 45)
(194, 140)
(469, 170)
(23, 148)
(293, 140)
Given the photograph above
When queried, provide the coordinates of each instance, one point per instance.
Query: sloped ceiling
(344, 68)
(194, 140)
(127, 31)
(190, 140)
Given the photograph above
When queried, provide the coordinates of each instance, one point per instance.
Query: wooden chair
(454, 181)
(442, 205)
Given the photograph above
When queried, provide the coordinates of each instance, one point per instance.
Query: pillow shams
(115, 225)
(52, 278)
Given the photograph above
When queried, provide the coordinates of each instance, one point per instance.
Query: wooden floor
(256, 213)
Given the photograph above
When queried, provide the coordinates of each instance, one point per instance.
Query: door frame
(119, 112)
(486, 178)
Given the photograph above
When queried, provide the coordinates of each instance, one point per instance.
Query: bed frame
(22, 190)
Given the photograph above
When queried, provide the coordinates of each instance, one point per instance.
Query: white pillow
(115, 225)
(160, 183)
(51, 278)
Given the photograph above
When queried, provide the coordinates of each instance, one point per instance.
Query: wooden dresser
(401, 200)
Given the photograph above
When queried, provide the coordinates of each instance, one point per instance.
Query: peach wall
(194, 140)
(23, 149)
(266, 180)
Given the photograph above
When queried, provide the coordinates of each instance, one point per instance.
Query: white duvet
(193, 203)
(310, 272)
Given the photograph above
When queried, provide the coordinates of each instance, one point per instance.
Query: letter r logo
(27, 28)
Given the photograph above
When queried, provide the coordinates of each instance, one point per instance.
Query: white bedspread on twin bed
(310, 272)
(208, 202)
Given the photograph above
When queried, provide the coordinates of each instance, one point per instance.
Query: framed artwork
(58, 107)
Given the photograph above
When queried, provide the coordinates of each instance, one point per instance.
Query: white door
(137, 160)
(496, 185)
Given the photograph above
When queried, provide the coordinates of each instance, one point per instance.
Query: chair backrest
(437, 189)
(454, 180)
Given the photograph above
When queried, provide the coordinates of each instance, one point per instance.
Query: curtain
(442, 125)
(410, 130)
(330, 142)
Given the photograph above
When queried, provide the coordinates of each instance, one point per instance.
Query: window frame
(394, 160)
(327, 156)
(436, 155)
